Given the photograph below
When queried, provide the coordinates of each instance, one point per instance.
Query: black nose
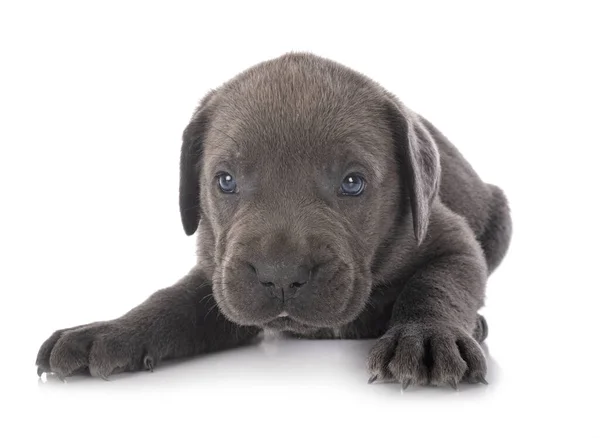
(281, 278)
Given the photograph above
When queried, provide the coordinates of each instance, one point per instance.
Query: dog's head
(299, 173)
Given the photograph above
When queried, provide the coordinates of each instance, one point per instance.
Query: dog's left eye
(353, 185)
(227, 183)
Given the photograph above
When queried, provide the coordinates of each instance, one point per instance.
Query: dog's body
(325, 208)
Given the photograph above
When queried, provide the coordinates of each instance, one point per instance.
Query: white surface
(93, 103)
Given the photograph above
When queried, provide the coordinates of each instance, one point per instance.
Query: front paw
(435, 354)
(101, 348)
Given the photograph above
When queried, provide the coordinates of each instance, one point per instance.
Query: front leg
(430, 336)
(182, 320)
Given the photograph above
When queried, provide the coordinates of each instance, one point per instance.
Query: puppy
(326, 208)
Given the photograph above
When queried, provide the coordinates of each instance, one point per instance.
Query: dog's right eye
(227, 183)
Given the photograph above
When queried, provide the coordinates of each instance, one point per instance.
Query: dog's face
(298, 169)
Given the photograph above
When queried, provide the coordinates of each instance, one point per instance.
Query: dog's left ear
(189, 168)
(418, 160)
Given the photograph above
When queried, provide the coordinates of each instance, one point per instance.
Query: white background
(93, 100)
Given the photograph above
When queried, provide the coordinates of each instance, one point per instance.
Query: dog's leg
(495, 238)
(182, 320)
(434, 319)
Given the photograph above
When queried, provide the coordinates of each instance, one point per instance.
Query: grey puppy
(324, 208)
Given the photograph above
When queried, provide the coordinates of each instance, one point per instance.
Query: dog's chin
(284, 322)
(280, 318)
(299, 323)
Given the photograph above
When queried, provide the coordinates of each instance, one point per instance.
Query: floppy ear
(189, 166)
(418, 160)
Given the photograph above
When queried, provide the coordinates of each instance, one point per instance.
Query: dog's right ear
(189, 165)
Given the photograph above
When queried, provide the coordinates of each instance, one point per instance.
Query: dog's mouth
(286, 323)
(280, 297)
(336, 299)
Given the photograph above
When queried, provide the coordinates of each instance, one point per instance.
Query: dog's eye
(353, 185)
(227, 183)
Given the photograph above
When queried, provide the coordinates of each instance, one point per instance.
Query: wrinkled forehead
(323, 131)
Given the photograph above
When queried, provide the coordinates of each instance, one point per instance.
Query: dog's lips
(287, 323)
(283, 318)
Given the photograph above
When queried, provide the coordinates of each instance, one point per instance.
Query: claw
(61, 377)
(454, 384)
(406, 383)
(149, 363)
(40, 371)
(481, 379)
(105, 378)
(372, 379)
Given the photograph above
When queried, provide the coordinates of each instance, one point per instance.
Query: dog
(324, 208)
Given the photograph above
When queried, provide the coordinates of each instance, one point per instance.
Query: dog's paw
(438, 354)
(101, 348)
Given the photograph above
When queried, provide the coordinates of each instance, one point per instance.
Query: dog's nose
(279, 277)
